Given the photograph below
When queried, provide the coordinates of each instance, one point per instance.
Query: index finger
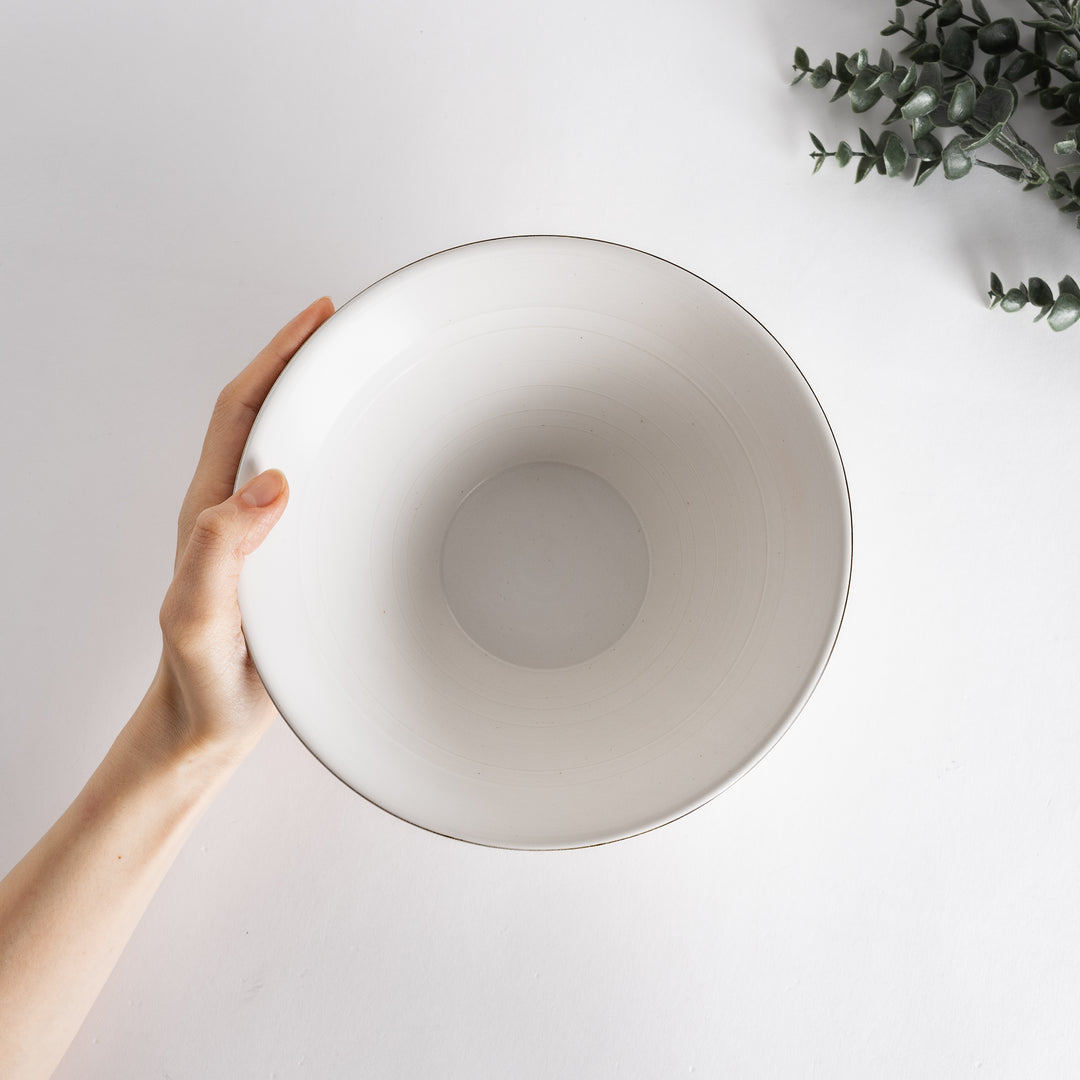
(235, 411)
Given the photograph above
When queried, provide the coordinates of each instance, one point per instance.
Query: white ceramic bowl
(567, 548)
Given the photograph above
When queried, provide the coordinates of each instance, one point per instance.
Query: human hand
(206, 688)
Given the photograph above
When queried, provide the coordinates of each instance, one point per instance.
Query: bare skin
(69, 907)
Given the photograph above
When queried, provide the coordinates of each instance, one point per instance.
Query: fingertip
(264, 489)
(312, 317)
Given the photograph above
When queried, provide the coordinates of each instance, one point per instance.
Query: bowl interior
(567, 547)
(544, 565)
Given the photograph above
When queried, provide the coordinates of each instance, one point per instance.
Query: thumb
(222, 536)
(261, 504)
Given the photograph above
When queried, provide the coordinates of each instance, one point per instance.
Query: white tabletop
(893, 890)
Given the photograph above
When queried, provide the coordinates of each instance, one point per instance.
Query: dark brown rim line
(787, 725)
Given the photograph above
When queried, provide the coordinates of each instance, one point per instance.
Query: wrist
(166, 720)
(160, 735)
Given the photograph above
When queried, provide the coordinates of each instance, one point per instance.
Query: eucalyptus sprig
(1060, 312)
(961, 74)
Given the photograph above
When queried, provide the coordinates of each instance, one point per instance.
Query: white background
(894, 890)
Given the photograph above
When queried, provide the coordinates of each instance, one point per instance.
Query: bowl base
(545, 565)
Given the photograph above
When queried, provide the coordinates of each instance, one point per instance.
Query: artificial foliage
(953, 91)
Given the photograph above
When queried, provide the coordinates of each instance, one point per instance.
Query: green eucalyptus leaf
(867, 143)
(864, 167)
(889, 85)
(1065, 312)
(843, 154)
(962, 103)
(894, 154)
(1052, 25)
(1022, 66)
(1039, 292)
(996, 104)
(1014, 300)
(930, 74)
(862, 94)
(821, 75)
(922, 102)
(909, 78)
(980, 11)
(819, 160)
(920, 28)
(926, 52)
(885, 61)
(924, 170)
(892, 28)
(898, 18)
(928, 148)
(1011, 172)
(995, 285)
(1046, 8)
(956, 160)
(959, 48)
(1000, 37)
(940, 117)
(879, 150)
(991, 69)
(1067, 285)
(949, 12)
(817, 142)
(1066, 146)
(921, 126)
(1066, 56)
(802, 61)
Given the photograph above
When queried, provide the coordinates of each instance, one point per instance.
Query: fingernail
(264, 489)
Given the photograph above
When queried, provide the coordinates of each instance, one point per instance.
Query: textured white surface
(892, 892)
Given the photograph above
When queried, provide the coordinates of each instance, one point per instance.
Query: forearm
(69, 907)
